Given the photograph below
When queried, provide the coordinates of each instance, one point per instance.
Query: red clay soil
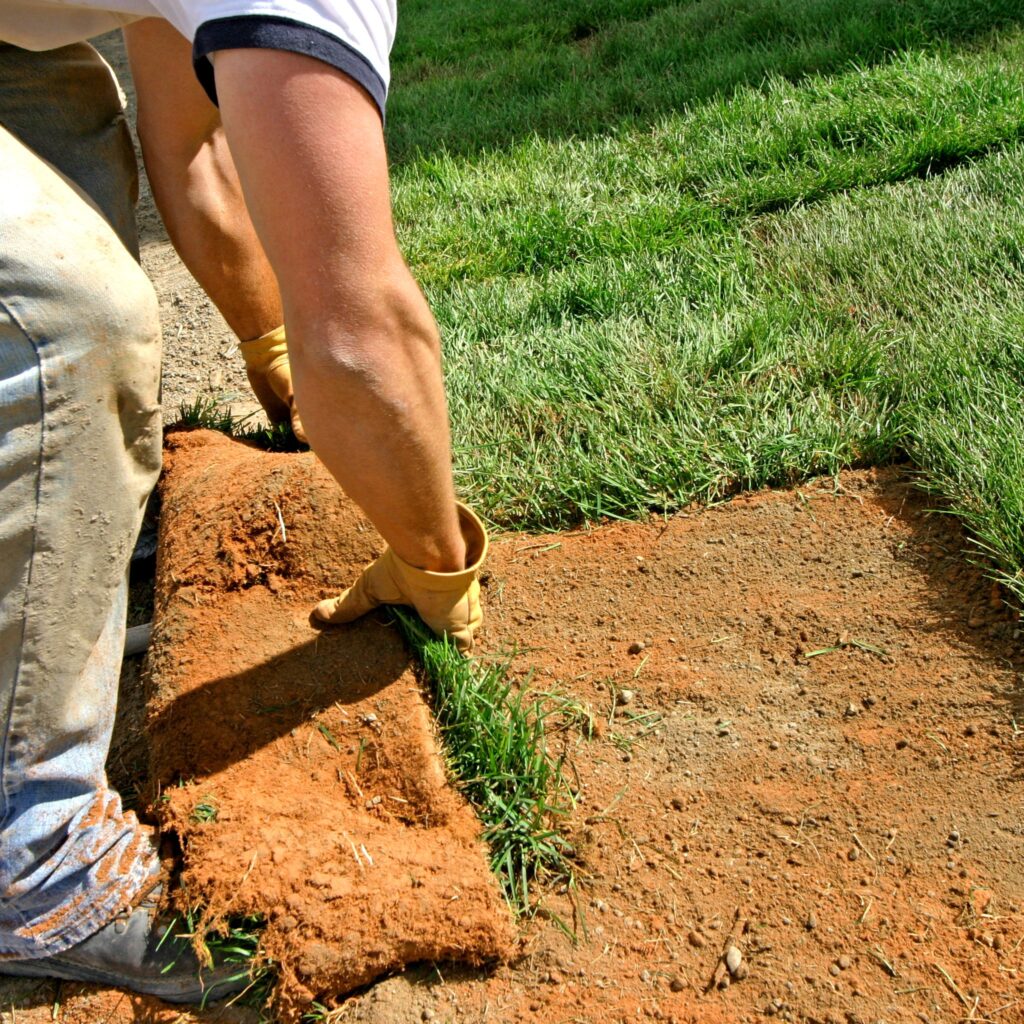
(819, 759)
(299, 769)
(822, 742)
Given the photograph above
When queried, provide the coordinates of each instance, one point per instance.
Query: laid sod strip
(493, 739)
(785, 281)
(929, 280)
(472, 76)
(831, 335)
(683, 181)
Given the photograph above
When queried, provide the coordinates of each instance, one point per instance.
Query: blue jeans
(79, 453)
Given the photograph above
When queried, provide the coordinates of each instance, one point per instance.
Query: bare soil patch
(793, 728)
(822, 740)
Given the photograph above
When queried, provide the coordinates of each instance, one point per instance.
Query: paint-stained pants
(79, 453)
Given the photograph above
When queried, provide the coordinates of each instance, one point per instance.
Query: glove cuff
(475, 536)
(260, 353)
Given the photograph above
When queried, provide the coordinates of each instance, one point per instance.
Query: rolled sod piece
(299, 766)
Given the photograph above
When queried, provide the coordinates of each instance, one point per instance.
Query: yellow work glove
(448, 602)
(270, 375)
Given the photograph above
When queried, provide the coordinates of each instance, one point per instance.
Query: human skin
(194, 182)
(308, 145)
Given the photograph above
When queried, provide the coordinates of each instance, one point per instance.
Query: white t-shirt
(352, 35)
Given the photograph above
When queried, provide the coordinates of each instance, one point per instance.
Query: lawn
(680, 250)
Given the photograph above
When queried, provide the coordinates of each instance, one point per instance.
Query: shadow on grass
(471, 76)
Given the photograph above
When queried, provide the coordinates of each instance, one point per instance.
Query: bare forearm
(209, 227)
(364, 349)
(194, 181)
(375, 412)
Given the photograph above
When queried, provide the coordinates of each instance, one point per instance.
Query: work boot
(140, 950)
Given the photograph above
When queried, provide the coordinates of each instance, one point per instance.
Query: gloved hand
(266, 362)
(448, 602)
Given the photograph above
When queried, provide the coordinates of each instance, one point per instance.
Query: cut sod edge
(512, 784)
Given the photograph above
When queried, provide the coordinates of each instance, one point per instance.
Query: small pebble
(677, 984)
(427, 1015)
(626, 696)
(696, 940)
(851, 710)
(834, 970)
(733, 960)
(853, 853)
(636, 646)
(844, 962)
(812, 922)
(774, 745)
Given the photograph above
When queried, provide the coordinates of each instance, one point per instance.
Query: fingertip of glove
(463, 643)
(326, 611)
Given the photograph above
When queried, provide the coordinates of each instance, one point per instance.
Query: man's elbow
(386, 324)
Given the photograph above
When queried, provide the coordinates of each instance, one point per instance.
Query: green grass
(205, 811)
(209, 413)
(494, 740)
(471, 76)
(237, 944)
(741, 286)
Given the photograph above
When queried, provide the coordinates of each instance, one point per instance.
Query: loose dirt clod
(733, 960)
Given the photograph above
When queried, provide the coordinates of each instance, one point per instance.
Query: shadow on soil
(964, 604)
(472, 77)
(207, 729)
(34, 1001)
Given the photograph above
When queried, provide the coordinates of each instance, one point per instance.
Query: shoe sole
(170, 992)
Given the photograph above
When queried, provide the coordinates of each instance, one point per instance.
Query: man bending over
(279, 204)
